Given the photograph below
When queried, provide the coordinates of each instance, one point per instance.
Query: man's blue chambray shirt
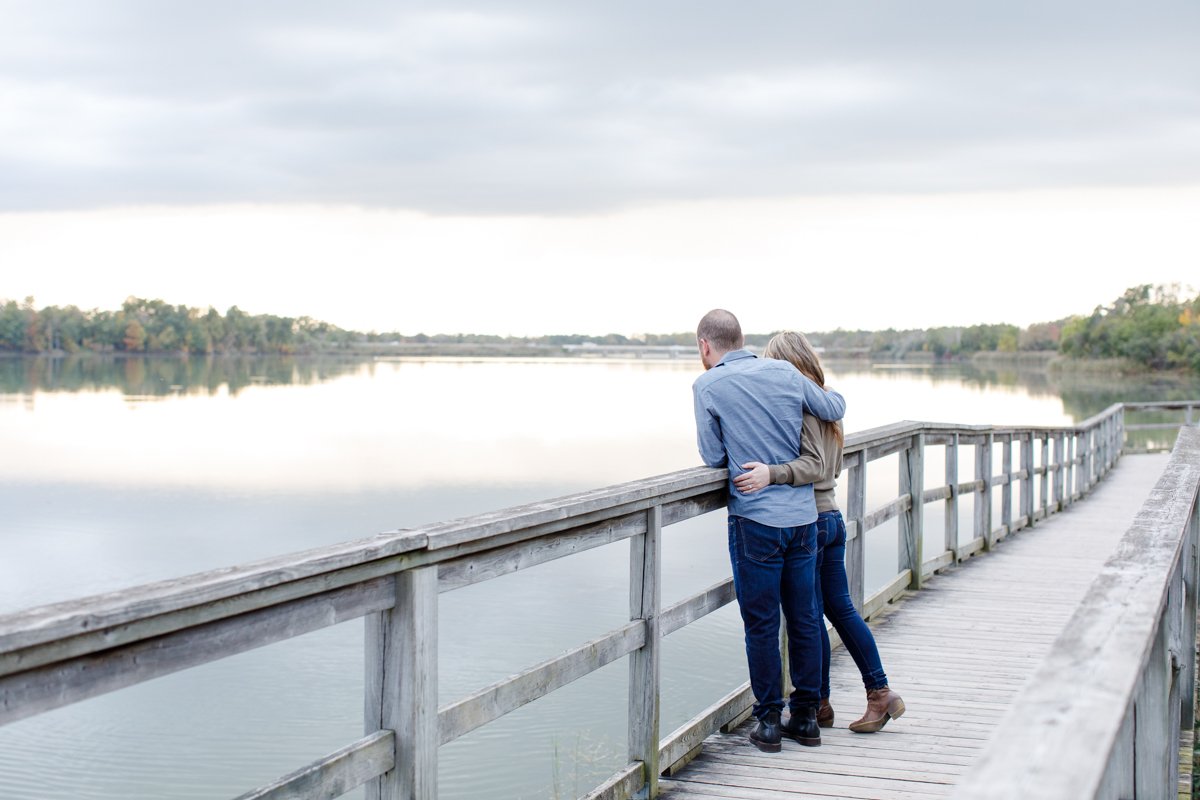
(751, 409)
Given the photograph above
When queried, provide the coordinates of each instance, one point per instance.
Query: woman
(819, 463)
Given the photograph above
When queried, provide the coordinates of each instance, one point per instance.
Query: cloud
(538, 107)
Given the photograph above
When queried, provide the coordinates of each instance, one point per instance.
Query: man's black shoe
(765, 735)
(802, 726)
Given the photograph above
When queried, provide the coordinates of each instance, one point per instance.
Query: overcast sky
(529, 167)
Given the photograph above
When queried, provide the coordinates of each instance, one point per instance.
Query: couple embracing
(776, 427)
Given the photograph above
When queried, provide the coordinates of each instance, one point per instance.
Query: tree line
(1148, 325)
(153, 326)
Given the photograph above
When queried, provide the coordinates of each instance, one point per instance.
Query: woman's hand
(758, 476)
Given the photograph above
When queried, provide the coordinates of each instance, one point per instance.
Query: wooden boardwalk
(958, 651)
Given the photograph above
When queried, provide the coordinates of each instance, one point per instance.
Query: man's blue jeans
(774, 568)
(834, 596)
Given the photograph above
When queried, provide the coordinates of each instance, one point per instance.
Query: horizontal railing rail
(64, 653)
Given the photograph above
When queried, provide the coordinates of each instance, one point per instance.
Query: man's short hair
(721, 330)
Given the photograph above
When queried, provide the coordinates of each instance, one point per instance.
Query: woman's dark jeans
(833, 594)
(773, 568)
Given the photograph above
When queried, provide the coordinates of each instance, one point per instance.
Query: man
(751, 409)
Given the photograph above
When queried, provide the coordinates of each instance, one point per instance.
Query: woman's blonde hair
(793, 347)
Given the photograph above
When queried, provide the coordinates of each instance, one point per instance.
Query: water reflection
(162, 376)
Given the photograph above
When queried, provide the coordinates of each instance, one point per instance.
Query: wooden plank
(757, 775)
(694, 790)
(24, 629)
(336, 774)
(950, 522)
(479, 567)
(880, 437)
(509, 694)
(1075, 484)
(912, 523)
(839, 762)
(935, 494)
(888, 448)
(677, 766)
(1153, 426)
(645, 588)
(1160, 405)
(886, 512)
(411, 685)
(944, 560)
(690, 609)
(856, 506)
(1044, 471)
(102, 638)
(1006, 509)
(624, 784)
(887, 594)
(678, 510)
(731, 708)
(983, 496)
(1060, 460)
(44, 688)
(571, 511)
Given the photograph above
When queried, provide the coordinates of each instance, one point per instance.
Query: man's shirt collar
(736, 355)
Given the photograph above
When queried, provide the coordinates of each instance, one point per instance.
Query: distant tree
(12, 327)
(135, 337)
(1146, 324)
(1040, 336)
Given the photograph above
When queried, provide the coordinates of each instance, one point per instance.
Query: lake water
(120, 472)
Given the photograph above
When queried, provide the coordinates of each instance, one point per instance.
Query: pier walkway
(958, 652)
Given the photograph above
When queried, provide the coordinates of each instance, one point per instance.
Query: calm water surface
(114, 473)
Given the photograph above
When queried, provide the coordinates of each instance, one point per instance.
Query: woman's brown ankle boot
(882, 704)
(825, 714)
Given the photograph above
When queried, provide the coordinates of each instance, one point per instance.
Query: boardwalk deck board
(959, 651)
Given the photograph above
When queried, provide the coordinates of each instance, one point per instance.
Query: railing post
(1027, 480)
(1045, 482)
(1006, 490)
(1117, 434)
(856, 509)
(1114, 439)
(401, 686)
(1080, 479)
(983, 496)
(1118, 438)
(1090, 458)
(952, 501)
(1069, 471)
(645, 596)
(1102, 433)
(1191, 572)
(912, 524)
(1060, 459)
(1108, 449)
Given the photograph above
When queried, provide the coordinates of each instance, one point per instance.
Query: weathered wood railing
(61, 654)
(1102, 715)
